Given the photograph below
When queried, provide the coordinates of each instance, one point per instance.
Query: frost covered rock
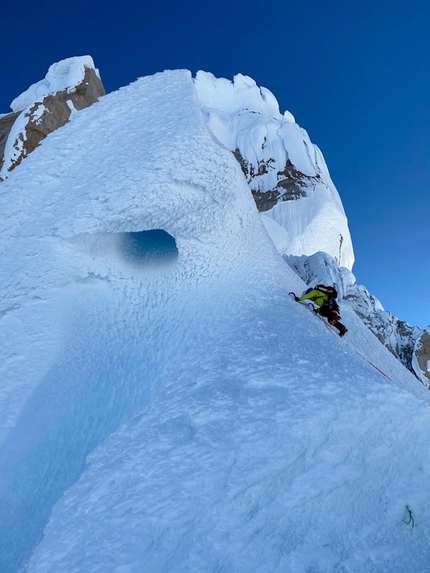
(6, 123)
(70, 85)
(397, 335)
(286, 172)
(322, 268)
(421, 358)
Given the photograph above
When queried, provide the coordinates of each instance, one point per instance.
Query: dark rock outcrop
(292, 184)
(422, 356)
(6, 123)
(395, 334)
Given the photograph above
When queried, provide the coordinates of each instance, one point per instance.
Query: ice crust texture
(243, 116)
(180, 412)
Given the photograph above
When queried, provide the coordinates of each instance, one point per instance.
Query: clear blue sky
(356, 75)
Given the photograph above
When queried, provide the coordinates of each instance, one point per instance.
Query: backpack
(329, 290)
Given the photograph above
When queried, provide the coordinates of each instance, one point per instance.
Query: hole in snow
(144, 249)
(154, 247)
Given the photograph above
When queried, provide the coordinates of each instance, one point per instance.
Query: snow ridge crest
(285, 171)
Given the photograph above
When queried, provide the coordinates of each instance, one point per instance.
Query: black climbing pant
(332, 316)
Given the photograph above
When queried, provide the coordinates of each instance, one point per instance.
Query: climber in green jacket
(325, 299)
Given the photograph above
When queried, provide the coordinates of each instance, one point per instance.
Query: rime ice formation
(284, 169)
(286, 173)
(165, 406)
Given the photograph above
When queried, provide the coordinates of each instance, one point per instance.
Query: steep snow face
(90, 301)
(286, 172)
(165, 406)
(93, 200)
(397, 335)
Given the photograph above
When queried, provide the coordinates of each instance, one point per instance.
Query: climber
(325, 298)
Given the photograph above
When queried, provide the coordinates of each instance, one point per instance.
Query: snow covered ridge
(180, 412)
(407, 343)
(286, 172)
(70, 85)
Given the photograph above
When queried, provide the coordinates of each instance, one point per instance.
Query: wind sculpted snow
(182, 413)
(285, 170)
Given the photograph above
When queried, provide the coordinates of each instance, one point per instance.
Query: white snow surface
(243, 116)
(398, 336)
(169, 413)
(63, 75)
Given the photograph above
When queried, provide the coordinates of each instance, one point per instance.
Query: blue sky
(356, 75)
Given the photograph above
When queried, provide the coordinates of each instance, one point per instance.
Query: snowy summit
(166, 406)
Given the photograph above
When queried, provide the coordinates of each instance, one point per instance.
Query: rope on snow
(328, 328)
(411, 520)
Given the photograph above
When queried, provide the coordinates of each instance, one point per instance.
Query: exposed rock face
(6, 123)
(29, 127)
(421, 358)
(397, 335)
(285, 171)
(292, 184)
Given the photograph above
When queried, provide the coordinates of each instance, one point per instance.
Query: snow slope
(397, 335)
(174, 410)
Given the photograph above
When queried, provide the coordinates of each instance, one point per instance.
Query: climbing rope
(411, 520)
(311, 305)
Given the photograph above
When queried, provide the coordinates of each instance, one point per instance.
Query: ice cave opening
(142, 248)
